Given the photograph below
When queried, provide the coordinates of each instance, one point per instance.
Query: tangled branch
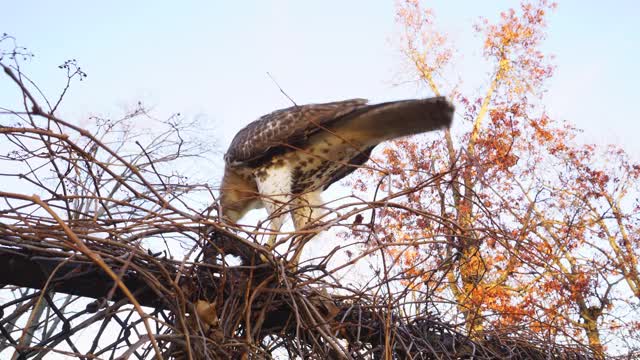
(101, 256)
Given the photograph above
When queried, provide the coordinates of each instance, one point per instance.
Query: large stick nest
(224, 312)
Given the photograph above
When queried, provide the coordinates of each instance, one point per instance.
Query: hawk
(284, 160)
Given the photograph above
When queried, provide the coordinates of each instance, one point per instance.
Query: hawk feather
(285, 159)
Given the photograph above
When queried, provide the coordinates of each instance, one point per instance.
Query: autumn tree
(533, 231)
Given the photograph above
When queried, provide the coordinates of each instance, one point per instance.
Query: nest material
(254, 311)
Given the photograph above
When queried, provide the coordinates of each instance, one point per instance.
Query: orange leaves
(541, 129)
(410, 257)
(513, 45)
(394, 163)
(424, 46)
(495, 145)
(515, 29)
(532, 228)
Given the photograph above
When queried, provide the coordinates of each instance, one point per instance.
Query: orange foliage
(531, 230)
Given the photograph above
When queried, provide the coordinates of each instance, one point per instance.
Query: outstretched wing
(283, 129)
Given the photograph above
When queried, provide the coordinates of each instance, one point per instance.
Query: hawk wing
(282, 130)
(353, 165)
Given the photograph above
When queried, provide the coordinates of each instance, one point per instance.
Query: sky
(209, 60)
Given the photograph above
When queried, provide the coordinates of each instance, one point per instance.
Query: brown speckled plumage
(286, 155)
(285, 127)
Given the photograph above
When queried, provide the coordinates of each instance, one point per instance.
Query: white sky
(208, 59)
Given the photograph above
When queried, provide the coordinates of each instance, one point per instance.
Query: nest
(214, 311)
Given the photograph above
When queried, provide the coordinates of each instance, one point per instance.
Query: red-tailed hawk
(284, 160)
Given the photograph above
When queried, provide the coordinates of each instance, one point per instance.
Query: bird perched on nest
(284, 160)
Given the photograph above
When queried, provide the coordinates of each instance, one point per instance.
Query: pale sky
(210, 58)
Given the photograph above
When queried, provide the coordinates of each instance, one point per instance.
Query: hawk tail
(386, 121)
